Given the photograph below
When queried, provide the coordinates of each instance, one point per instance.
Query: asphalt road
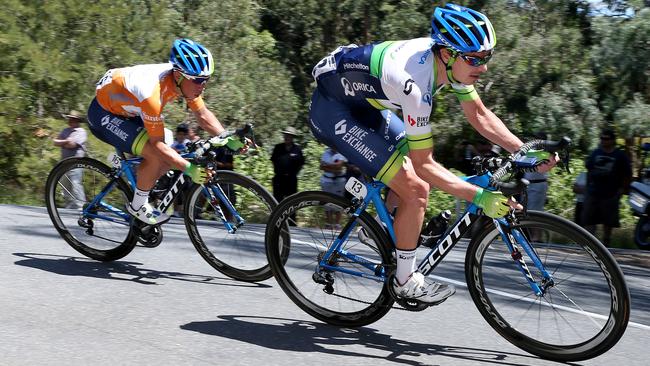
(165, 306)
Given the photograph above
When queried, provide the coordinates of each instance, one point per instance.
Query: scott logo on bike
(440, 251)
(171, 193)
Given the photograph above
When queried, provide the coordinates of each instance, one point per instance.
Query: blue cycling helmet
(461, 29)
(191, 58)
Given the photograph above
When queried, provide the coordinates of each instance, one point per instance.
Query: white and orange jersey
(143, 91)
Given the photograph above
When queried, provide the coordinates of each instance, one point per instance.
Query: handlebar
(204, 151)
(500, 167)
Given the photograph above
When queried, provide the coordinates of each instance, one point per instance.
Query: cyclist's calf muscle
(413, 194)
(158, 158)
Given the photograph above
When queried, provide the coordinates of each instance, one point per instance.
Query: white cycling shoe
(417, 288)
(148, 214)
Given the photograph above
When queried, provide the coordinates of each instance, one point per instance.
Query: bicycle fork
(217, 196)
(511, 237)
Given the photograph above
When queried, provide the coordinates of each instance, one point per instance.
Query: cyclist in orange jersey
(127, 113)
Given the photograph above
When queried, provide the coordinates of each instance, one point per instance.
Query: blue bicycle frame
(213, 192)
(511, 237)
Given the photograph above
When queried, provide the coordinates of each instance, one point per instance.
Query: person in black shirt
(287, 161)
(608, 176)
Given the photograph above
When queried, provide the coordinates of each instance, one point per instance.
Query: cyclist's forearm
(209, 122)
(492, 128)
(439, 177)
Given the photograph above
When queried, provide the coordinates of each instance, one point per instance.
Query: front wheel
(352, 290)
(583, 310)
(642, 233)
(238, 254)
(86, 203)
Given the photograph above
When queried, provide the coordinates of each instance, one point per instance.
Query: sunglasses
(476, 60)
(198, 80)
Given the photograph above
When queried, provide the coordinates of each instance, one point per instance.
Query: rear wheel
(580, 315)
(297, 239)
(98, 228)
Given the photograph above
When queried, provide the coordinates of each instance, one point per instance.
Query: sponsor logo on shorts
(355, 137)
(340, 127)
(314, 126)
(389, 114)
(113, 125)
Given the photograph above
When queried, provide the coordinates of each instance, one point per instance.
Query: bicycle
(528, 274)
(225, 218)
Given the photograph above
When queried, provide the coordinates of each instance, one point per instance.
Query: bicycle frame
(447, 241)
(126, 168)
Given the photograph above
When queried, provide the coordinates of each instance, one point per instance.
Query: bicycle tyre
(481, 253)
(642, 234)
(75, 238)
(281, 261)
(245, 260)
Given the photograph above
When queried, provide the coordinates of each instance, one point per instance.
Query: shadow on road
(118, 270)
(303, 336)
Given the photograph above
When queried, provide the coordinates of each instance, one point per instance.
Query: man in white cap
(72, 141)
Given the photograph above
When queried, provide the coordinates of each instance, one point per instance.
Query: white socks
(405, 265)
(139, 199)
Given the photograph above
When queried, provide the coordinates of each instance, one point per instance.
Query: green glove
(494, 204)
(540, 155)
(196, 173)
(234, 144)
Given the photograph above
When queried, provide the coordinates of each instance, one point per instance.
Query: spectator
(181, 140)
(579, 189)
(464, 153)
(194, 132)
(484, 148)
(287, 161)
(538, 187)
(333, 165)
(608, 176)
(72, 141)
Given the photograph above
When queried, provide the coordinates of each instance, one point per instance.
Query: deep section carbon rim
(98, 228)
(240, 254)
(329, 294)
(582, 314)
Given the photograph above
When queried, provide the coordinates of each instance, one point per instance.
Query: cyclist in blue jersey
(352, 110)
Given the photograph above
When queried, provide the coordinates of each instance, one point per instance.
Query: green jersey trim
(377, 58)
(466, 94)
(375, 103)
(420, 142)
(394, 163)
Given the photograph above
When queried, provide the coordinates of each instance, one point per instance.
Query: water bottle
(434, 229)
